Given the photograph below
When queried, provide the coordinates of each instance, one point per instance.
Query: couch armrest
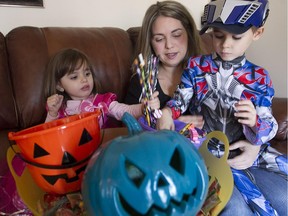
(279, 109)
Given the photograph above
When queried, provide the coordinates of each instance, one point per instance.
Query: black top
(135, 90)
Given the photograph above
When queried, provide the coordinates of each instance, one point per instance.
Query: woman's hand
(196, 120)
(154, 102)
(54, 103)
(166, 120)
(247, 157)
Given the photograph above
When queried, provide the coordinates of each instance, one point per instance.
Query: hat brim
(234, 28)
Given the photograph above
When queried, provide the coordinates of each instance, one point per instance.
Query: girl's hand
(196, 120)
(247, 157)
(246, 113)
(54, 103)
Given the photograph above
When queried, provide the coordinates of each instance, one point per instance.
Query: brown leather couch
(25, 51)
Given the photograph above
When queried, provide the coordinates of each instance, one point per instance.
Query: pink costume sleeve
(107, 102)
(104, 101)
(117, 110)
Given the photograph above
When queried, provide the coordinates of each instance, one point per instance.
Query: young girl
(71, 88)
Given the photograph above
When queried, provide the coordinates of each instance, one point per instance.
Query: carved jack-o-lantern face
(58, 180)
(57, 152)
(151, 173)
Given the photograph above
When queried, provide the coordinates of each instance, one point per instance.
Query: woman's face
(169, 40)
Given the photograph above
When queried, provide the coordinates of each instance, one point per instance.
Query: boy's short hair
(235, 16)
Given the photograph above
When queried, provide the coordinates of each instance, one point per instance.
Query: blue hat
(235, 16)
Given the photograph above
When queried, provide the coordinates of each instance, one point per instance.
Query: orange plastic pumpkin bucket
(58, 179)
(60, 142)
(56, 153)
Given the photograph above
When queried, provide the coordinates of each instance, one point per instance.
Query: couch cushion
(29, 49)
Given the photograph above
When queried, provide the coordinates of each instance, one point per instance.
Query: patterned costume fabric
(270, 159)
(101, 101)
(211, 87)
(252, 194)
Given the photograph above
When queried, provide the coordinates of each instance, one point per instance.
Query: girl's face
(230, 46)
(169, 40)
(78, 84)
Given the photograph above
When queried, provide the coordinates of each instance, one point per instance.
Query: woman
(169, 32)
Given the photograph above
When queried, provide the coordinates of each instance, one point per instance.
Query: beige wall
(118, 13)
(270, 51)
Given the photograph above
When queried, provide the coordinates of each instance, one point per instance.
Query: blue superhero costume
(211, 87)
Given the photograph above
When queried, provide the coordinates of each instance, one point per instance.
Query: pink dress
(106, 102)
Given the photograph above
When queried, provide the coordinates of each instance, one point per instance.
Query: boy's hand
(54, 103)
(246, 113)
(247, 157)
(166, 120)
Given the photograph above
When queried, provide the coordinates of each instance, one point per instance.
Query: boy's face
(230, 46)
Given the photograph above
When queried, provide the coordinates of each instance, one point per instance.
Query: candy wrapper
(60, 205)
(196, 135)
(212, 199)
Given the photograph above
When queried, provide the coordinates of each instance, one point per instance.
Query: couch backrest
(30, 48)
(8, 117)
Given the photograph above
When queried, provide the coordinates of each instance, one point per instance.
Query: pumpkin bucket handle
(218, 169)
(26, 187)
(221, 137)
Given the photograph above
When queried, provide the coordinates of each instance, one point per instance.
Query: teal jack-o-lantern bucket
(145, 173)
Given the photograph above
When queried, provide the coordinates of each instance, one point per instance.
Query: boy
(233, 94)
